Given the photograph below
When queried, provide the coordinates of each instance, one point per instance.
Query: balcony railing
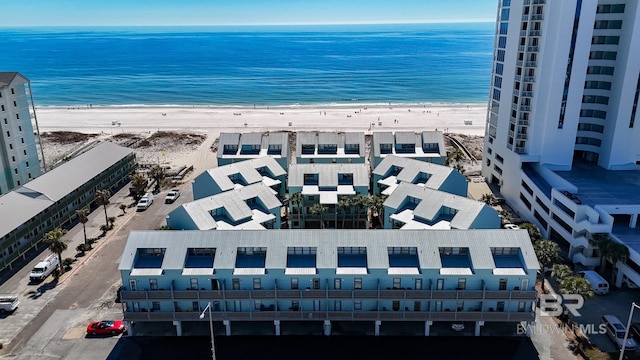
(390, 294)
(334, 315)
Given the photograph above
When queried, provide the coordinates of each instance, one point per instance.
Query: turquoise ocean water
(247, 65)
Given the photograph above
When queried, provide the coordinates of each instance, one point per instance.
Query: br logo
(552, 304)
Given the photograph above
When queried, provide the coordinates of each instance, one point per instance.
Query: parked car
(172, 196)
(457, 326)
(511, 226)
(106, 327)
(145, 202)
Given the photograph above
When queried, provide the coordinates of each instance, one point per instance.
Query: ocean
(251, 65)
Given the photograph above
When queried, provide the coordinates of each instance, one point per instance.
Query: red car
(106, 327)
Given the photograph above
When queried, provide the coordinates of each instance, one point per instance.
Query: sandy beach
(453, 118)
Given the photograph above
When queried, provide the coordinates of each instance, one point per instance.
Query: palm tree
(602, 241)
(576, 285)
(344, 204)
(548, 253)
(359, 201)
(123, 207)
(616, 252)
(83, 217)
(318, 209)
(561, 272)
(56, 245)
(488, 198)
(534, 232)
(296, 200)
(505, 217)
(139, 184)
(377, 205)
(102, 199)
(157, 174)
(460, 168)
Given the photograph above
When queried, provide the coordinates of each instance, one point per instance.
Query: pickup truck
(8, 303)
(172, 196)
(145, 202)
(44, 268)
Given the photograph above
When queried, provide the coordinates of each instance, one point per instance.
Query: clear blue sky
(239, 12)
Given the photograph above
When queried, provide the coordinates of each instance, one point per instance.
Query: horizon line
(457, 21)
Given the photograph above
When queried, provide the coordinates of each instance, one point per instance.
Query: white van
(616, 331)
(599, 285)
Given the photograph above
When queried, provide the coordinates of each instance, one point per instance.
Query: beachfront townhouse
(330, 147)
(323, 187)
(234, 147)
(393, 170)
(298, 281)
(253, 206)
(426, 146)
(50, 200)
(264, 170)
(565, 154)
(19, 137)
(417, 207)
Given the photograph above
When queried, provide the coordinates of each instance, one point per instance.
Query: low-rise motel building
(234, 147)
(330, 147)
(50, 200)
(282, 281)
(426, 146)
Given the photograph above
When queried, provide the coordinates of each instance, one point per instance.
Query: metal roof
(7, 77)
(305, 138)
(406, 137)
(25, 202)
(412, 167)
(326, 242)
(432, 202)
(379, 138)
(251, 139)
(234, 203)
(247, 169)
(355, 138)
(435, 137)
(328, 174)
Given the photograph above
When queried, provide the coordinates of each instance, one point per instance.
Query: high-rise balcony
(532, 49)
(531, 64)
(537, 17)
(529, 79)
(534, 32)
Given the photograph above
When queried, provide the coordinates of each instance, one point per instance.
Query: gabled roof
(412, 167)
(328, 174)
(326, 242)
(432, 202)
(7, 78)
(25, 202)
(234, 203)
(246, 168)
(253, 138)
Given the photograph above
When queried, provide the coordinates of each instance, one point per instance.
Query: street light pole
(626, 332)
(213, 344)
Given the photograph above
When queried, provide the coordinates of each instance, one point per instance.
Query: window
(15, 104)
(503, 284)
(236, 284)
(503, 28)
(316, 283)
(504, 15)
(294, 283)
(257, 284)
(357, 283)
(500, 56)
(153, 284)
(18, 116)
(257, 304)
(418, 284)
(194, 283)
(357, 305)
(397, 283)
(27, 163)
(155, 305)
(502, 42)
(605, 40)
(337, 284)
(595, 99)
(462, 284)
(2, 107)
(603, 55)
(610, 9)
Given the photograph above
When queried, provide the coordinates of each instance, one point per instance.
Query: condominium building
(19, 162)
(427, 146)
(330, 147)
(234, 147)
(561, 140)
(264, 170)
(50, 201)
(268, 282)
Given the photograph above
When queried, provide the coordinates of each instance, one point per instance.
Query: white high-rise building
(562, 141)
(18, 151)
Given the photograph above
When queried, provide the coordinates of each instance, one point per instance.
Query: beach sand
(117, 123)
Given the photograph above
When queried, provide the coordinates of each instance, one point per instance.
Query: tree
(561, 272)
(376, 203)
(616, 252)
(318, 209)
(123, 207)
(102, 199)
(455, 154)
(83, 217)
(548, 253)
(359, 202)
(56, 245)
(344, 204)
(488, 199)
(296, 200)
(534, 232)
(112, 220)
(460, 168)
(576, 285)
(603, 242)
(139, 184)
(157, 174)
(505, 216)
